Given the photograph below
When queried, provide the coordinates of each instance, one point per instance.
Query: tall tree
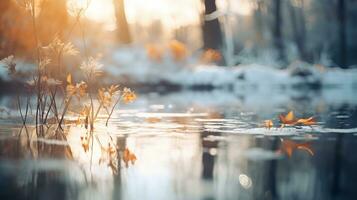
(122, 23)
(4, 6)
(341, 12)
(258, 20)
(303, 34)
(277, 29)
(52, 19)
(15, 29)
(297, 18)
(211, 30)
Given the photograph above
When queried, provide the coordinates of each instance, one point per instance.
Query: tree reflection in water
(179, 157)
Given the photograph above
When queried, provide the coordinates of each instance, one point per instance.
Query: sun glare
(101, 11)
(171, 13)
(240, 7)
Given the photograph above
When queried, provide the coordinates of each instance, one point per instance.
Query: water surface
(191, 145)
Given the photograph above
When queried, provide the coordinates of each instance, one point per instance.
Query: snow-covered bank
(132, 66)
(135, 66)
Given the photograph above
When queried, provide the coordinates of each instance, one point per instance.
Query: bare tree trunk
(294, 24)
(122, 23)
(211, 30)
(277, 31)
(52, 20)
(4, 6)
(15, 30)
(303, 31)
(342, 32)
(258, 21)
(298, 28)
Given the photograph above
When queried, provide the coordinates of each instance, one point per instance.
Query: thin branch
(111, 112)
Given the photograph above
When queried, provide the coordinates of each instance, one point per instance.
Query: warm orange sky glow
(171, 13)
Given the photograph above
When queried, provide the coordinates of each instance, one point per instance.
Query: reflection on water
(185, 150)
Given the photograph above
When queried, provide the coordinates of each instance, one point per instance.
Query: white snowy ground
(133, 64)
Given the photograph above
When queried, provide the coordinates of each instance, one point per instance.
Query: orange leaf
(288, 119)
(307, 122)
(268, 124)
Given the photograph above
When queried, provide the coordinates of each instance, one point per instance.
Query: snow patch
(134, 64)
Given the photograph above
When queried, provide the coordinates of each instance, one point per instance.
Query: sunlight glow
(101, 11)
(171, 13)
(239, 7)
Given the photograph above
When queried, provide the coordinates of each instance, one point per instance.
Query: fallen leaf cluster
(290, 120)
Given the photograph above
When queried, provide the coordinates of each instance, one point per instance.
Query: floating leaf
(288, 119)
(268, 124)
(307, 122)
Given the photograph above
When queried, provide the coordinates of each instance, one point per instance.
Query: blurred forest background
(245, 31)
